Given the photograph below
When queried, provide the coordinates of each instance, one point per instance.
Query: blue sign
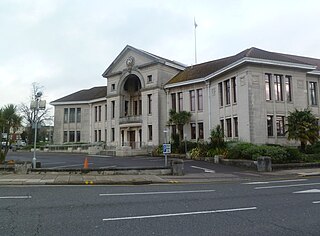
(166, 148)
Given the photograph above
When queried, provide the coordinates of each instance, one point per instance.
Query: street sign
(166, 148)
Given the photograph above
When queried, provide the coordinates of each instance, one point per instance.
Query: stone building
(249, 94)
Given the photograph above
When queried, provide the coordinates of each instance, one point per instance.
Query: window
(65, 136)
(173, 101)
(278, 88)
(99, 135)
(235, 122)
(122, 137)
(112, 135)
(140, 107)
(135, 108)
(126, 108)
(270, 126)
(105, 135)
(150, 132)
(78, 136)
(200, 99)
(220, 93)
(192, 100)
(99, 113)
(113, 87)
(71, 136)
(149, 78)
(78, 115)
(193, 131)
(72, 115)
(95, 135)
(222, 126)
(229, 127)
(234, 89)
(105, 112)
(227, 90)
(180, 99)
(95, 113)
(267, 79)
(65, 116)
(149, 103)
(280, 125)
(200, 128)
(313, 98)
(287, 81)
(113, 108)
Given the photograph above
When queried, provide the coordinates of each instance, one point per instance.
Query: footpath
(7, 178)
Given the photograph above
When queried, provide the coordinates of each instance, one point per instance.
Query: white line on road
(206, 170)
(53, 163)
(287, 186)
(309, 191)
(15, 197)
(155, 193)
(69, 165)
(277, 181)
(107, 167)
(316, 202)
(180, 214)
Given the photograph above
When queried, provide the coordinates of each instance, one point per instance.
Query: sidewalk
(89, 179)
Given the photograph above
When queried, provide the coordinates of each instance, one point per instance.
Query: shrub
(239, 151)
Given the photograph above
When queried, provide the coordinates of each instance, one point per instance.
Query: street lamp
(37, 105)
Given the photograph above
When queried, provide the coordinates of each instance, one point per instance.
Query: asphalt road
(65, 160)
(278, 207)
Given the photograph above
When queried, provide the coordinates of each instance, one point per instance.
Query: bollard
(177, 167)
(264, 164)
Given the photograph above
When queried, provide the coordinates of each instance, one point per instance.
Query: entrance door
(132, 139)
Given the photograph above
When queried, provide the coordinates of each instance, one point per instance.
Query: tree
(217, 137)
(179, 119)
(30, 115)
(10, 121)
(302, 126)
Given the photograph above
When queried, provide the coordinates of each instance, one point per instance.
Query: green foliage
(251, 151)
(312, 149)
(197, 153)
(9, 121)
(302, 126)
(217, 137)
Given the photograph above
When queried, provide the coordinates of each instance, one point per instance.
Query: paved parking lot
(66, 160)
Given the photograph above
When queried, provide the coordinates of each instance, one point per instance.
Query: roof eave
(78, 102)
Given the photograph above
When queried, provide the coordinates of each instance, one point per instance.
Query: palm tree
(9, 122)
(303, 126)
(217, 137)
(179, 119)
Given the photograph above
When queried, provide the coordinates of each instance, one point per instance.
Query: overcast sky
(65, 45)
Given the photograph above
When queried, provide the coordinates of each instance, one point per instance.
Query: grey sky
(65, 45)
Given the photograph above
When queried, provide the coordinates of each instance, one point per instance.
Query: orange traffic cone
(85, 164)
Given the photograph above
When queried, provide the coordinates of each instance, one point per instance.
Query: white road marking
(316, 202)
(155, 193)
(309, 191)
(15, 197)
(206, 170)
(287, 186)
(90, 163)
(107, 167)
(53, 163)
(277, 181)
(180, 214)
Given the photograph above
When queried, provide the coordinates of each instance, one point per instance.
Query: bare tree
(30, 115)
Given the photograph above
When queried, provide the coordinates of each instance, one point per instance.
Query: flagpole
(195, 41)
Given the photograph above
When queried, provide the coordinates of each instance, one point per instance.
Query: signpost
(166, 150)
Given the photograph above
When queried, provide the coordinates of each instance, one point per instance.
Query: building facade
(249, 94)
(128, 113)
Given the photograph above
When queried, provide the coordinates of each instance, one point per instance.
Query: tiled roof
(204, 69)
(85, 95)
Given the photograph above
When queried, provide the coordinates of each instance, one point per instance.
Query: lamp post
(185, 144)
(37, 105)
